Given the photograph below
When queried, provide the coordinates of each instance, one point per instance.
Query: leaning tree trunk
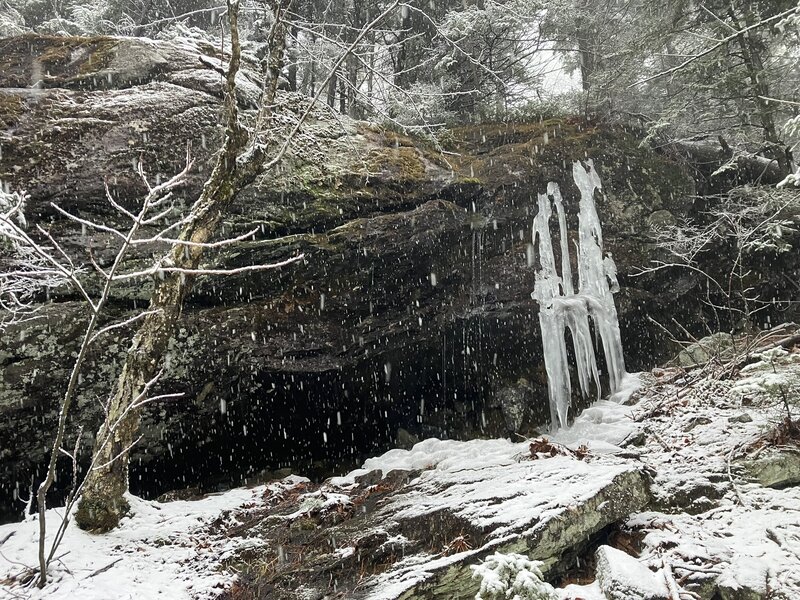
(103, 502)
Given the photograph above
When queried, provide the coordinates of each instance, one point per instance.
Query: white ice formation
(561, 307)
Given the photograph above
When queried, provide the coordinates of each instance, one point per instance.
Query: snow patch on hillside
(162, 550)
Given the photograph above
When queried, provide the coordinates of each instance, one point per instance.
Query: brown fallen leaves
(541, 448)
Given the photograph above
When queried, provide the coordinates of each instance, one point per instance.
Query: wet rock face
(411, 311)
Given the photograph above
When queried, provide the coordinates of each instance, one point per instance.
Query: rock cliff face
(411, 311)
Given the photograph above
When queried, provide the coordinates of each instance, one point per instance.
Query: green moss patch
(10, 110)
(54, 60)
(401, 162)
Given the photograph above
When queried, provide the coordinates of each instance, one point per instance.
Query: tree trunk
(585, 44)
(352, 76)
(401, 76)
(103, 504)
(752, 49)
(357, 21)
(332, 91)
(291, 74)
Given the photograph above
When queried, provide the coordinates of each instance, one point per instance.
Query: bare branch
(87, 222)
(288, 140)
(179, 242)
(160, 269)
(121, 324)
(715, 47)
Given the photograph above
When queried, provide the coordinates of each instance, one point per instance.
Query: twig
(103, 569)
(672, 586)
(716, 46)
(249, 268)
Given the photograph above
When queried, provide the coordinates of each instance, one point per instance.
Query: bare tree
(244, 155)
(25, 271)
(40, 261)
(745, 222)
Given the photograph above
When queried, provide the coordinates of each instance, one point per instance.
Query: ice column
(562, 308)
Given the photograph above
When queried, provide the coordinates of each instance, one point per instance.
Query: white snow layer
(622, 577)
(750, 539)
(162, 550)
(562, 308)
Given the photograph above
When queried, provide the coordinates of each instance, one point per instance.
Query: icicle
(595, 273)
(560, 307)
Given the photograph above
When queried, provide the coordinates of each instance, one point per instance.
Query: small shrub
(511, 577)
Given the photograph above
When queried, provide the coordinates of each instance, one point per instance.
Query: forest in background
(679, 70)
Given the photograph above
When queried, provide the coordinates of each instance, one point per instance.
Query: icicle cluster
(561, 307)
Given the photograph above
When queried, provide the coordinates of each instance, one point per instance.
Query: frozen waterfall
(562, 308)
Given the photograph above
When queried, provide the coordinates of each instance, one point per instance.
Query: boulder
(718, 346)
(778, 468)
(622, 577)
(515, 401)
(744, 579)
(443, 507)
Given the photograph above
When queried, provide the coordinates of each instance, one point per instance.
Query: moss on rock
(401, 163)
(99, 516)
(52, 59)
(10, 110)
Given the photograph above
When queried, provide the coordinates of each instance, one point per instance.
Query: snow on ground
(754, 546)
(747, 536)
(710, 524)
(163, 550)
(493, 491)
(491, 485)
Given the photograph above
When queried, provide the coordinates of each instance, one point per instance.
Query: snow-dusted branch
(226, 242)
(160, 269)
(26, 267)
(714, 47)
(121, 324)
(284, 147)
(744, 224)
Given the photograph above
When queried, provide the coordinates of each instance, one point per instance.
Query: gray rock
(622, 577)
(405, 439)
(515, 401)
(742, 418)
(661, 218)
(693, 493)
(399, 477)
(636, 439)
(553, 540)
(744, 579)
(717, 345)
(695, 421)
(370, 478)
(777, 469)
